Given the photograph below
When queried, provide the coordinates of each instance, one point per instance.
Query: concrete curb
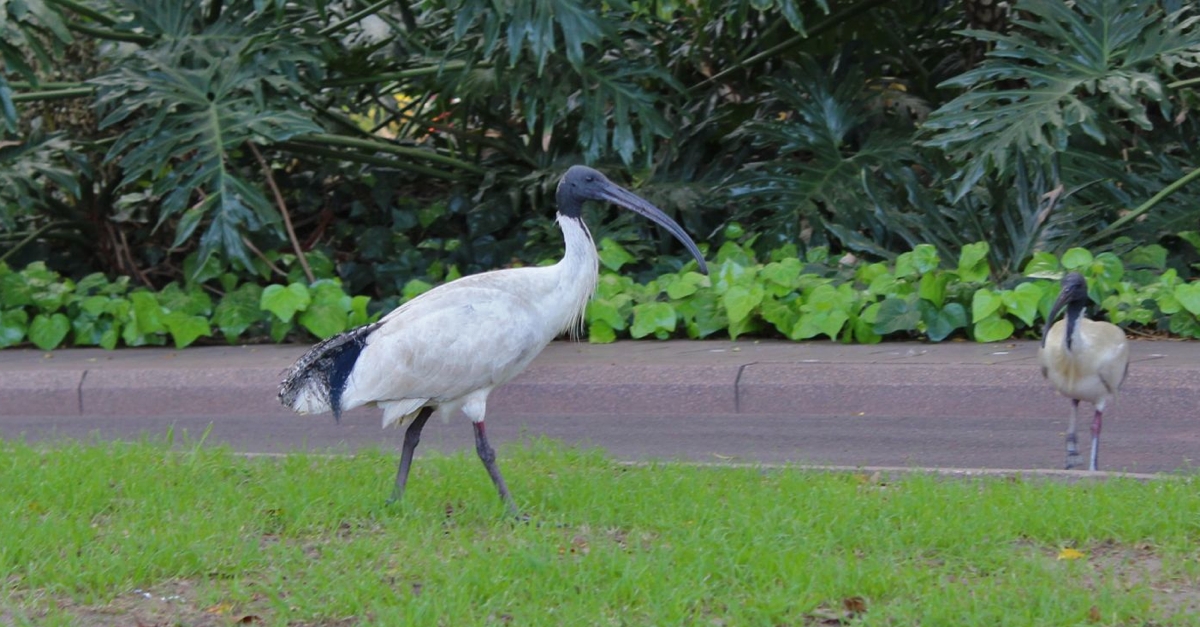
(674, 378)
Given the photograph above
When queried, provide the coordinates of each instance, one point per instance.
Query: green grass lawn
(139, 533)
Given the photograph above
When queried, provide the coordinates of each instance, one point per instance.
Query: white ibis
(1084, 360)
(448, 348)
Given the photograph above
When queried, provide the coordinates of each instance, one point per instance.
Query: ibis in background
(448, 348)
(1083, 359)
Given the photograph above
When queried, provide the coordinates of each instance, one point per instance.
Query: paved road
(958, 404)
(941, 442)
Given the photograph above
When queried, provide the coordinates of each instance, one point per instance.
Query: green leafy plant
(31, 33)
(1083, 67)
(41, 307)
(198, 96)
(785, 296)
(421, 140)
(913, 297)
(830, 137)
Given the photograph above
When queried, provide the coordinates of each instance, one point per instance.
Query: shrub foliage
(233, 146)
(783, 296)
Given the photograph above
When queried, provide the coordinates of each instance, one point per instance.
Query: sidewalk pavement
(672, 378)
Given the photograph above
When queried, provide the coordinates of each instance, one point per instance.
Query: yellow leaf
(1070, 554)
(220, 608)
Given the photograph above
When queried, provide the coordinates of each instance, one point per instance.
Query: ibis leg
(1072, 442)
(1095, 440)
(487, 455)
(412, 437)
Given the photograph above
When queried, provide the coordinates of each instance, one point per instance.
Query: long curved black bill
(620, 196)
(1055, 309)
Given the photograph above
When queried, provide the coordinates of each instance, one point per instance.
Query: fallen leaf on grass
(220, 608)
(1070, 554)
(855, 605)
(579, 544)
(873, 479)
(852, 608)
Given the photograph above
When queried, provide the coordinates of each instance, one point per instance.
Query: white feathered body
(451, 346)
(1095, 365)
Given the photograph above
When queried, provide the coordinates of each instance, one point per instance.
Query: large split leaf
(1068, 67)
(197, 96)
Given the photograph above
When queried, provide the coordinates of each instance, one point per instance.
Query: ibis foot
(1072, 451)
(412, 437)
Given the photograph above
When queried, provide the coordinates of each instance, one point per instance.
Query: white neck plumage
(577, 271)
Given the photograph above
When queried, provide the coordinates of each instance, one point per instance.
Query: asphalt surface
(908, 405)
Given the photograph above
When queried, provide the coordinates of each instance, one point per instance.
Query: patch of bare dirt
(171, 604)
(1174, 594)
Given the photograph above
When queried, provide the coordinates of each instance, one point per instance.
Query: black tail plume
(323, 371)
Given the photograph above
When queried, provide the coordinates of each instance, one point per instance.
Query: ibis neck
(578, 269)
(1074, 315)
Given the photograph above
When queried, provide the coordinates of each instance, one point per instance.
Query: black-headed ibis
(1085, 360)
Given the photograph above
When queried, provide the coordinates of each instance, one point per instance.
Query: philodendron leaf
(1022, 302)
(147, 312)
(920, 260)
(1184, 324)
(740, 300)
(1188, 295)
(940, 323)
(13, 324)
(324, 320)
(984, 303)
(864, 324)
(780, 313)
(613, 255)
(782, 275)
(702, 314)
(48, 331)
(238, 310)
(993, 329)
(1076, 258)
(829, 323)
(285, 301)
(932, 287)
(606, 311)
(687, 285)
(280, 329)
(826, 310)
(15, 290)
(972, 263)
(599, 332)
(185, 329)
(1043, 265)
(653, 318)
(358, 311)
(896, 314)
(414, 288)
(329, 312)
